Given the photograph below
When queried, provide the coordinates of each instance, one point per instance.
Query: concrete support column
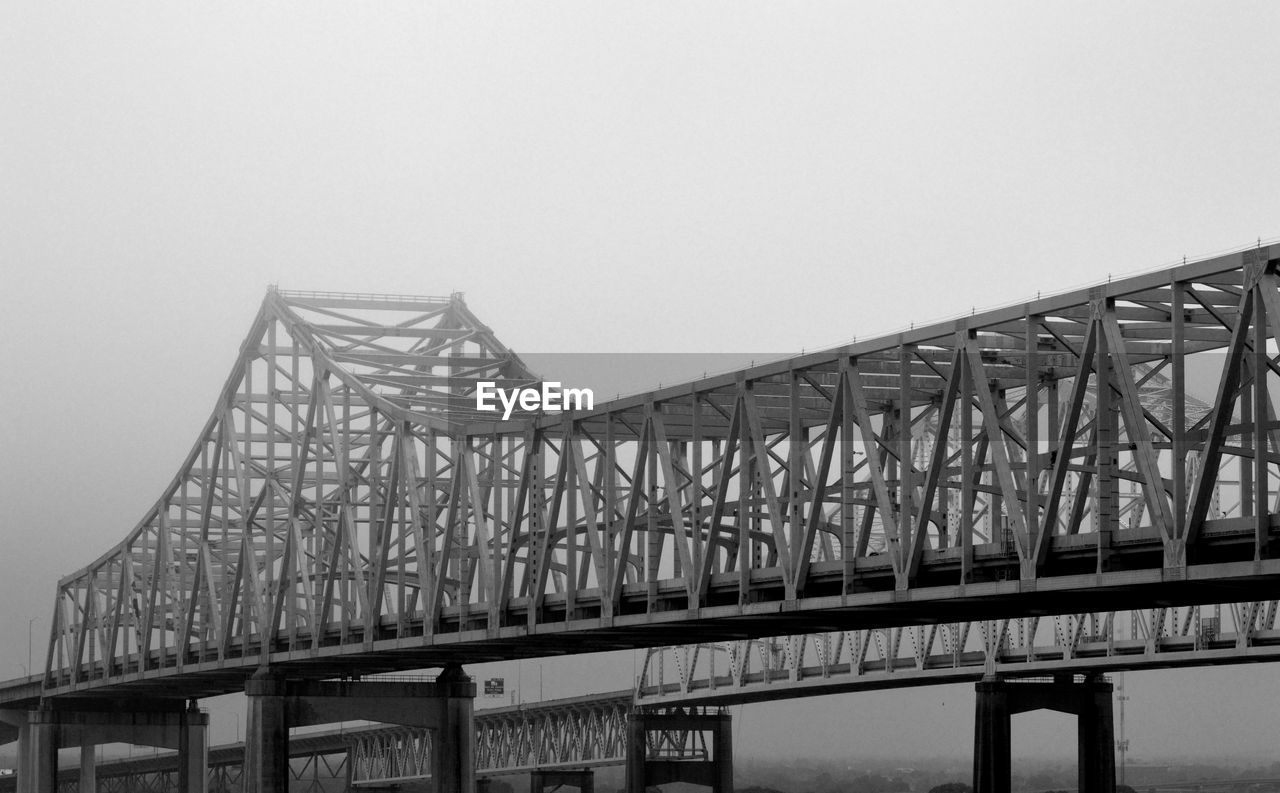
(636, 753)
(1089, 701)
(1097, 752)
(86, 723)
(193, 753)
(697, 749)
(24, 758)
(88, 768)
(266, 740)
(991, 739)
(456, 759)
(443, 706)
(723, 748)
(44, 752)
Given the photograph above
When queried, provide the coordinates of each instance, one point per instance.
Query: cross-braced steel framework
(805, 665)
(346, 507)
(387, 757)
(579, 733)
(316, 766)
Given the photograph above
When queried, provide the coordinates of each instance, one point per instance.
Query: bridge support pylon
(1089, 700)
(88, 722)
(444, 706)
(544, 779)
(691, 745)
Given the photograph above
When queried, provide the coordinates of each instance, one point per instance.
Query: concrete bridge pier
(89, 769)
(691, 745)
(266, 735)
(444, 706)
(41, 753)
(1089, 700)
(15, 726)
(544, 779)
(88, 722)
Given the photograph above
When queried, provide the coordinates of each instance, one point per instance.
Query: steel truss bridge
(786, 667)
(590, 731)
(346, 507)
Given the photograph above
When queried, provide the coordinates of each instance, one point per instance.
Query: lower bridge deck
(577, 732)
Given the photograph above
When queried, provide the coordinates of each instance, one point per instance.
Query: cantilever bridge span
(346, 509)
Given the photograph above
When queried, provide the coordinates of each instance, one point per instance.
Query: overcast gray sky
(642, 177)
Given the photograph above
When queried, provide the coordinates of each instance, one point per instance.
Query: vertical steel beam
(848, 467)
(1175, 549)
(745, 542)
(1261, 408)
(967, 468)
(906, 464)
(1106, 445)
(1031, 410)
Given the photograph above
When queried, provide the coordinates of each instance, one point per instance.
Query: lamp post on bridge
(30, 622)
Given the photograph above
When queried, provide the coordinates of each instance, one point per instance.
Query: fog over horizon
(734, 179)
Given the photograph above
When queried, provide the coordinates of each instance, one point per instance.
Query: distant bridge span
(347, 510)
(576, 732)
(592, 730)
(789, 667)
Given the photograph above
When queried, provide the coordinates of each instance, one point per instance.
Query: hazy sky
(641, 177)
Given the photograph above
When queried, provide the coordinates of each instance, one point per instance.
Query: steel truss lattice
(346, 508)
(580, 733)
(787, 667)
